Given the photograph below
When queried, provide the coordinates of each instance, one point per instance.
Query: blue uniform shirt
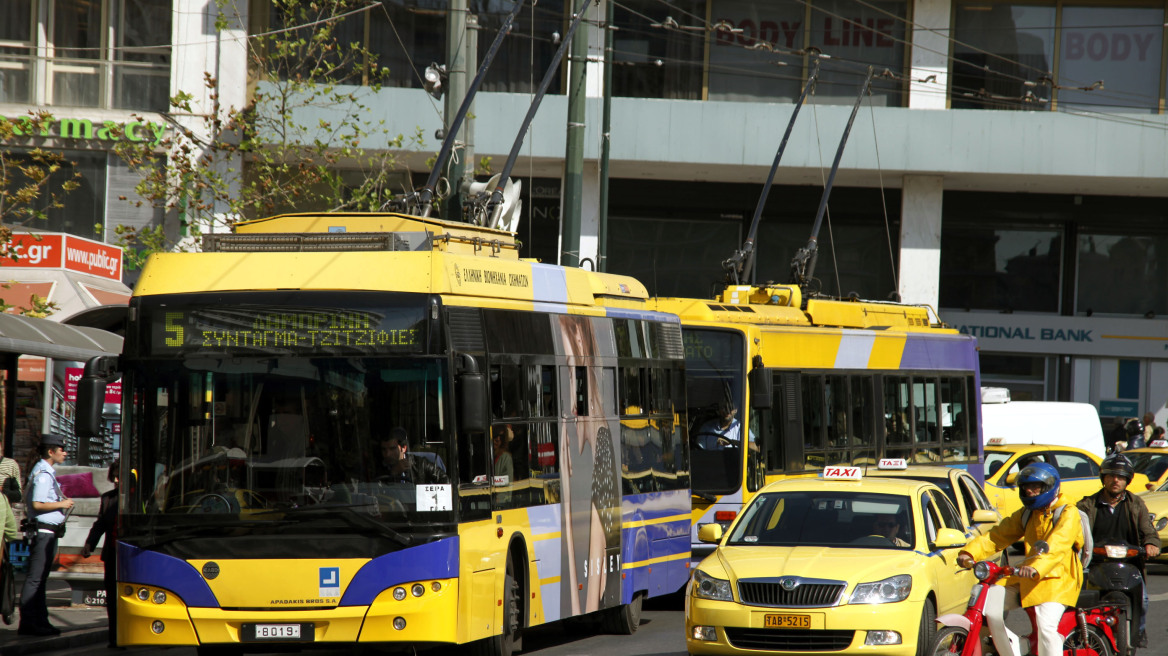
(45, 489)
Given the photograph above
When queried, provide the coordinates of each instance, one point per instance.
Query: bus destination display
(267, 330)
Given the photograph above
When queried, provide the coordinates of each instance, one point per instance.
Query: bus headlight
(143, 594)
(418, 589)
(159, 597)
(399, 593)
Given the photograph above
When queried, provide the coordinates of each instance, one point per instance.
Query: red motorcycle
(1087, 628)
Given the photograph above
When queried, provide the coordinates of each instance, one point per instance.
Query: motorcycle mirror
(1161, 523)
(1040, 548)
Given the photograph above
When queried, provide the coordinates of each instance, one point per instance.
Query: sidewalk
(80, 626)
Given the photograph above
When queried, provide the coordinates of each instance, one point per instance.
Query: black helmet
(1133, 427)
(1117, 465)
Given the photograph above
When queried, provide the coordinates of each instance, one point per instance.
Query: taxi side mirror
(985, 516)
(949, 538)
(710, 533)
(1011, 478)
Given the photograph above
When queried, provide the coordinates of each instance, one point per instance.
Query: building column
(930, 51)
(920, 239)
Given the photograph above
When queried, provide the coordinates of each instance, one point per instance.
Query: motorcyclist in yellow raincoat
(1049, 581)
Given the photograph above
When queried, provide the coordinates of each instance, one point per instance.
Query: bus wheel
(509, 641)
(624, 619)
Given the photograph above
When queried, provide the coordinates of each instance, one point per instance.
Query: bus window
(631, 391)
(544, 483)
(813, 415)
(925, 411)
(954, 419)
(547, 385)
(861, 411)
(897, 420)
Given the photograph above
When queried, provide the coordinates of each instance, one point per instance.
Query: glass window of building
(651, 61)
(111, 54)
(1109, 58)
(998, 267)
(1119, 47)
(17, 49)
(998, 48)
(1121, 273)
(760, 56)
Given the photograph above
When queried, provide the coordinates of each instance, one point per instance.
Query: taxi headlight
(891, 589)
(708, 587)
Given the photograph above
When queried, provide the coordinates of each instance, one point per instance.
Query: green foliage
(41, 308)
(33, 181)
(267, 158)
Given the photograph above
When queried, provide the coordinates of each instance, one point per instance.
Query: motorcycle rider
(1049, 581)
(1117, 515)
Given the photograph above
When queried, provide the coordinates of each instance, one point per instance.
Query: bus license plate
(277, 631)
(787, 621)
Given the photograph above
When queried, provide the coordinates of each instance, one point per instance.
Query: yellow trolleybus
(350, 428)
(781, 386)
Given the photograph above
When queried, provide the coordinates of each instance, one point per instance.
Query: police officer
(1117, 515)
(47, 506)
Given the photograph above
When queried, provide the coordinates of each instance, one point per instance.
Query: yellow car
(1078, 472)
(958, 484)
(1157, 501)
(832, 564)
(1151, 461)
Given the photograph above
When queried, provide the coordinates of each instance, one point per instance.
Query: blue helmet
(1045, 474)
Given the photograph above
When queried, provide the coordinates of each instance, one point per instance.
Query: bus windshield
(262, 440)
(714, 378)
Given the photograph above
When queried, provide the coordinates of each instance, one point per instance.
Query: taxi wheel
(928, 630)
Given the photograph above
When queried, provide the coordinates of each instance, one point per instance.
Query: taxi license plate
(787, 621)
(278, 632)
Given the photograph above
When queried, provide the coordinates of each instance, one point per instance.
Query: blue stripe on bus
(145, 567)
(954, 353)
(433, 560)
(643, 315)
(549, 283)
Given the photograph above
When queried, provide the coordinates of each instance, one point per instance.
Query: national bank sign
(1053, 334)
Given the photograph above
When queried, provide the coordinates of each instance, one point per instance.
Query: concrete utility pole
(461, 58)
(572, 210)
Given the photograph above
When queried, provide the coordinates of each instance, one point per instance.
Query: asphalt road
(661, 630)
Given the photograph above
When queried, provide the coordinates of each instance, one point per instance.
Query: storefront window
(1117, 46)
(998, 48)
(142, 74)
(1122, 274)
(986, 267)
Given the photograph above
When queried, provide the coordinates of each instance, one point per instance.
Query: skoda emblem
(788, 583)
(210, 570)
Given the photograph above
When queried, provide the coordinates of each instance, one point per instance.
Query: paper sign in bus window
(434, 497)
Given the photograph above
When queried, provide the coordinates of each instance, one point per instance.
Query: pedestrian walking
(106, 524)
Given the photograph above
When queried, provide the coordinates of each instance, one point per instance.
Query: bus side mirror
(99, 373)
(762, 386)
(472, 397)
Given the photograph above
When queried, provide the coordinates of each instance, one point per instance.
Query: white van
(1040, 422)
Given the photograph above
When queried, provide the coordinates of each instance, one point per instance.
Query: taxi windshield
(826, 519)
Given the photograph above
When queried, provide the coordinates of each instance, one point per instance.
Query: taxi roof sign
(892, 463)
(843, 473)
(1159, 444)
(995, 441)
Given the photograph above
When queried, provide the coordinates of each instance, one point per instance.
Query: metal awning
(49, 339)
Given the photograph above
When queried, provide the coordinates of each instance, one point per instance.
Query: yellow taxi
(1157, 501)
(839, 563)
(1151, 461)
(958, 484)
(1078, 471)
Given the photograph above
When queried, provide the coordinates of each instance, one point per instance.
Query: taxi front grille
(770, 592)
(789, 639)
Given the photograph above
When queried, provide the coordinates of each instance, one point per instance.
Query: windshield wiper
(705, 496)
(173, 533)
(350, 517)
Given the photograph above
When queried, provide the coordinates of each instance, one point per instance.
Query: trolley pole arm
(496, 201)
(803, 264)
(426, 194)
(739, 265)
